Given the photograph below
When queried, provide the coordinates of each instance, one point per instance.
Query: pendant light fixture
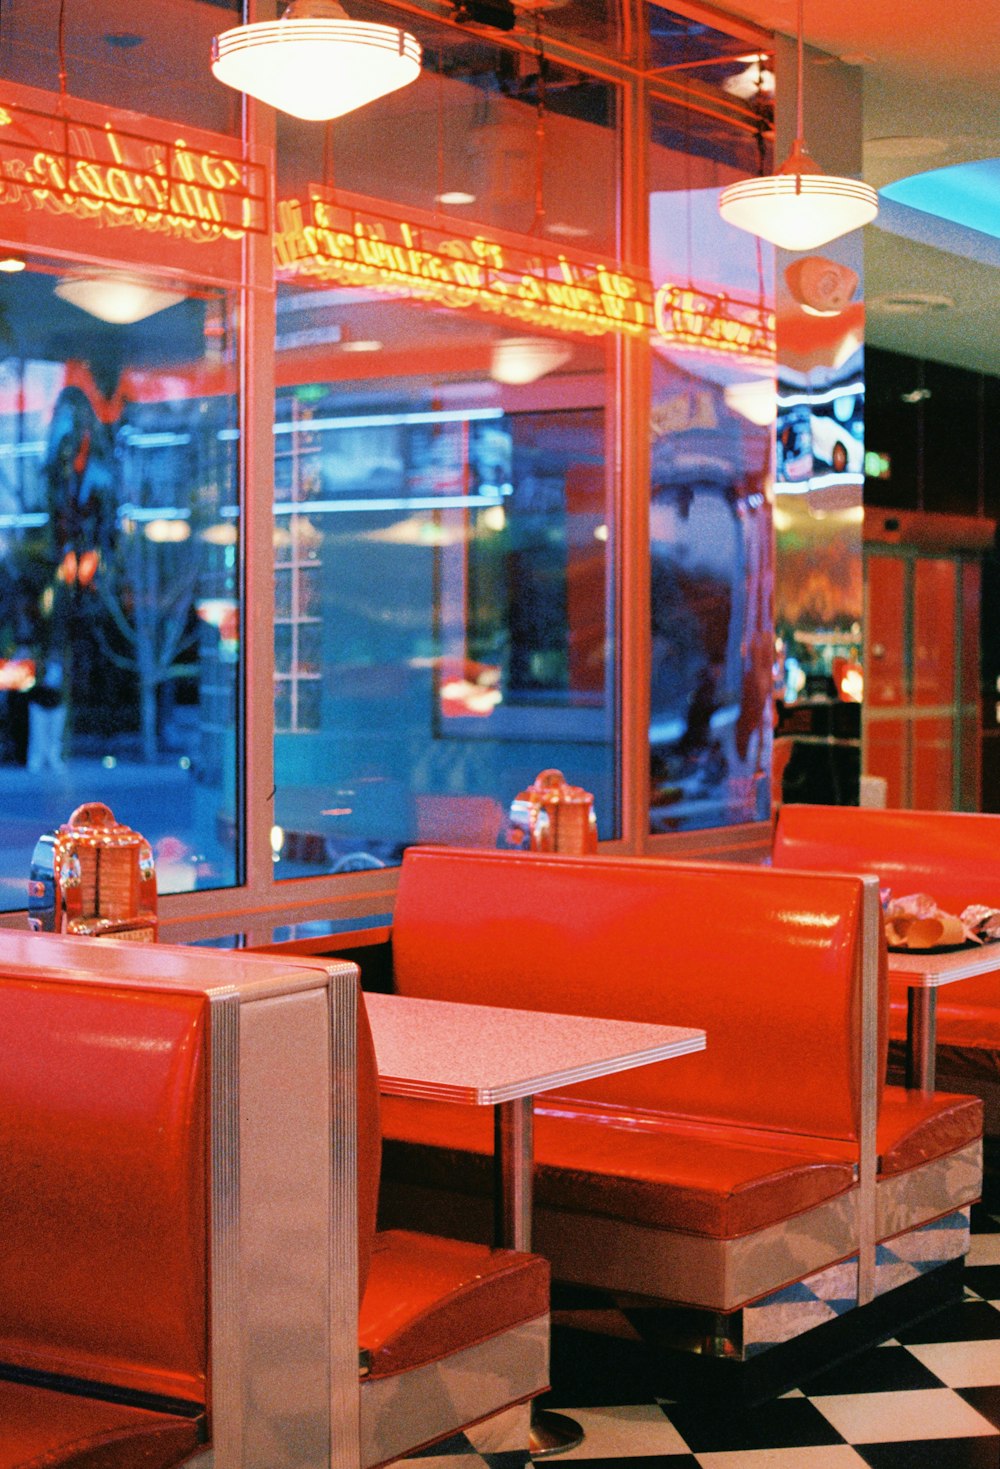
(518, 361)
(800, 207)
(315, 62)
(115, 297)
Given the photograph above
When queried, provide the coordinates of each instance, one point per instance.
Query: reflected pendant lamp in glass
(799, 207)
(315, 62)
(114, 297)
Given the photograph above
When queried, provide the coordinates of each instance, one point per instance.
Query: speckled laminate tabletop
(482, 1054)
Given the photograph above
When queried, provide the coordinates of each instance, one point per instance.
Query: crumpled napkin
(916, 922)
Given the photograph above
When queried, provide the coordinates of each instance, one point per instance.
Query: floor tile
(929, 1398)
(628, 1433)
(966, 1321)
(644, 1461)
(445, 1461)
(883, 1369)
(984, 1249)
(825, 1456)
(956, 1453)
(576, 1297)
(984, 1221)
(928, 1413)
(786, 1423)
(984, 1279)
(590, 1371)
(985, 1400)
(961, 1363)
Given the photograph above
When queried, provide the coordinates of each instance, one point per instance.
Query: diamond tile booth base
(779, 1318)
(833, 1292)
(930, 1399)
(499, 1443)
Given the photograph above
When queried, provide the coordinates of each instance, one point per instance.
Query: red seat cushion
(40, 1428)
(702, 1178)
(914, 1128)
(428, 1297)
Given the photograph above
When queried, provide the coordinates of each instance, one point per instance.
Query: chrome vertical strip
(344, 1397)
(871, 911)
(256, 410)
(226, 1355)
(513, 1164)
(921, 1038)
(629, 568)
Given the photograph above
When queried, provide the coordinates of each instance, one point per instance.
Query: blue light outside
(965, 193)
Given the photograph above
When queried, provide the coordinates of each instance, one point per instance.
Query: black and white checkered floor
(928, 1399)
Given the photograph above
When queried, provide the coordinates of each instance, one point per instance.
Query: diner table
(484, 1055)
(924, 973)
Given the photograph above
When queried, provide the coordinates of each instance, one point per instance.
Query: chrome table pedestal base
(513, 1159)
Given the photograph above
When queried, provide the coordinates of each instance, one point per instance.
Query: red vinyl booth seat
(102, 1202)
(428, 1297)
(430, 1304)
(104, 1219)
(756, 1138)
(659, 942)
(671, 1173)
(424, 1296)
(41, 1428)
(915, 1128)
(953, 856)
(704, 1178)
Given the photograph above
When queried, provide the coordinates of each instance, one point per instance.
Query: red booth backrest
(953, 856)
(103, 1270)
(768, 964)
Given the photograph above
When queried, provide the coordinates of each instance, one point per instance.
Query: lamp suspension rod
(799, 128)
(61, 47)
(798, 147)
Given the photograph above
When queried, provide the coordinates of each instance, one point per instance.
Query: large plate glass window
(119, 578)
(712, 428)
(444, 466)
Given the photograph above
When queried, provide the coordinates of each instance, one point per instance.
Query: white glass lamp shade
(799, 207)
(756, 401)
(518, 361)
(119, 299)
(316, 63)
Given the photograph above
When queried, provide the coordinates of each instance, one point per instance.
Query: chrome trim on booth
(342, 993)
(466, 1387)
(934, 1189)
(719, 1274)
(224, 1229)
(870, 1086)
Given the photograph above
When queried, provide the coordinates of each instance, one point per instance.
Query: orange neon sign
(714, 322)
(343, 240)
(76, 167)
(69, 166)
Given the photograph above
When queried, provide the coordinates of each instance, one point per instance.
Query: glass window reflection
(713, 406)
(441, 589)
(119, 591)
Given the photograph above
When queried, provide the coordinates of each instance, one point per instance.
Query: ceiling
(931, 99)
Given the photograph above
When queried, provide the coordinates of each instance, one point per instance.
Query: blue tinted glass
(119, 584)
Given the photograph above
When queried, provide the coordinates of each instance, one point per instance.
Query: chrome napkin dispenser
(555, 816)
(94, 877)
